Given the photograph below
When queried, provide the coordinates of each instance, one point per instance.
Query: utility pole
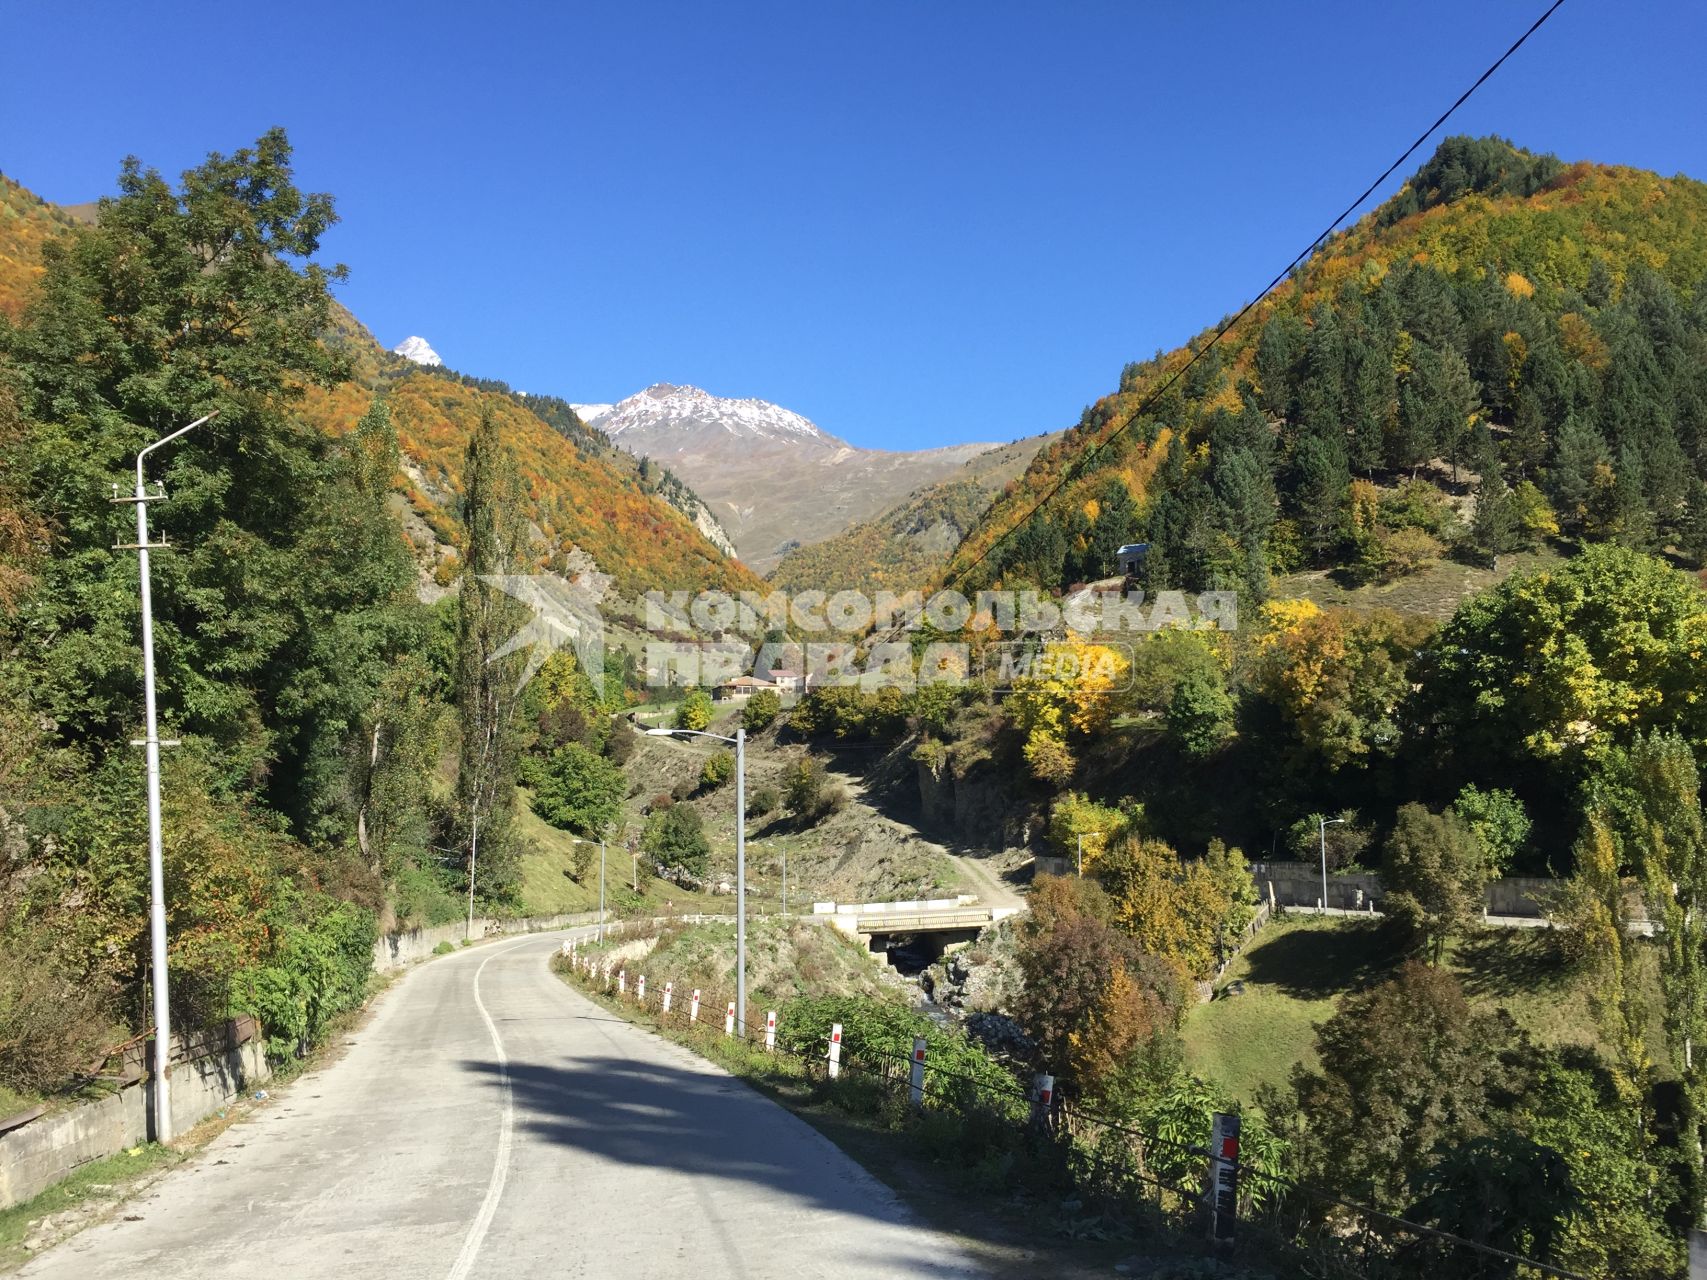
(473, 847)
(601, 886)
(151, 745)
(1322, 830)
(741, 878)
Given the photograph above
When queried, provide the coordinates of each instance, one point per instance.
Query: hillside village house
(742, 687)
(1130, 558)
(788, 680)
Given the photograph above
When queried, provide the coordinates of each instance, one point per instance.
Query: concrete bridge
(915, 933)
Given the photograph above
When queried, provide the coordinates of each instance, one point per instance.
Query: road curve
(491, 1122)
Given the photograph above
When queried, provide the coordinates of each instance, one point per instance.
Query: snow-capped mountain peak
(592, 414)
(416, 349)
(663, 409)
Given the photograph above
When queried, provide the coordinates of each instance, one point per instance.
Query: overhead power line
(1079, 463)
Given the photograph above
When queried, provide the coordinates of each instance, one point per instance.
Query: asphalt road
(490, 1122)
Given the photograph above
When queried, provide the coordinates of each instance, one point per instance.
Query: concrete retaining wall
(401, 949)
(1299, 884)
(35, 1156)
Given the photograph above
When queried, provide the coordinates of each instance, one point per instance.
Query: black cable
(1078, 463)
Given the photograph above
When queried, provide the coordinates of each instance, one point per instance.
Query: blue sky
(915, 223)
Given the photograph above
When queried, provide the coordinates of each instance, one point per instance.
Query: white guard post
(835, 1051)
(669, 992)
(916, 1078)
(729, 1020)
(622, 982)
(1043, 1093)
(770, 1031)
(1224, 1177)
(640, 989)
(693, 1007)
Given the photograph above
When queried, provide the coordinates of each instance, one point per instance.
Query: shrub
(1200, 714)
(52, 1025)
(810, 795)
(317, 965)
(804, 796)
(1498, 819)
(761, 711)
(444, 948)
(719, 768)
(763, 801)
(877, 1033)
(575, 788)
(695, 711)
(1404, 551)
(1346, 839)
(677, 836)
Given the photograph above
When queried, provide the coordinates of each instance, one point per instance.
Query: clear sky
(916, 223)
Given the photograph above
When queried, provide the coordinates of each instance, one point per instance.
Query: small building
(788, 680)
(742, 687)
(1130, 558)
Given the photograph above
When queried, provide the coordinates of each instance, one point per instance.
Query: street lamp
(740, 741)
(1081, 856)
(1322, 825)
(151, 745)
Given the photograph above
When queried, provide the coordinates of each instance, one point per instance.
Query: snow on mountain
(664, 410)
(770, 477)
(416, 349)
(592, 414)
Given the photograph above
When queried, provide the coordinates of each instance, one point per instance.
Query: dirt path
(982, 875)
(987, 883)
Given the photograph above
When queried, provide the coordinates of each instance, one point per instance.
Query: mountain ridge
(774, 479)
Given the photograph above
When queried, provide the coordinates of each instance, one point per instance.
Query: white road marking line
(501, 1162)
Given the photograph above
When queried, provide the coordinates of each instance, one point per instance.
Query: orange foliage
(579, 500)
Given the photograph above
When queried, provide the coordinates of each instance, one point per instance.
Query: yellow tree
(1066, 696)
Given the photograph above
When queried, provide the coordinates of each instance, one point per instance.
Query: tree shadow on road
(713, 1128)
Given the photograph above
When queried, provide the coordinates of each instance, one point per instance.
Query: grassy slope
(1296, 971)
(1434, 591)
(857, 855)
(549, 886)
(785, 958)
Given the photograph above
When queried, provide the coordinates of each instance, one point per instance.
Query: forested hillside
(1510, 350)
(639, 527)
(319, 702)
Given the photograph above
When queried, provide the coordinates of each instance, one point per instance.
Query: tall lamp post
(151, 746)
(1322, 825)
(740, 741)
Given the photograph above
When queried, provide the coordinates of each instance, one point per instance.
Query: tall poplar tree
(487, 692)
